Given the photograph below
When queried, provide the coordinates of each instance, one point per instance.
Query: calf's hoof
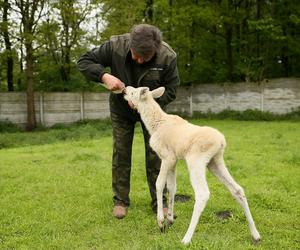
(163, 228)
(170, 222)
(256, 241)
(185, 241)
(161, 224)
(256, 237)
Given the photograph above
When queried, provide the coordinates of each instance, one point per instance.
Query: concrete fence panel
(281, 95)
(182, 103)
(243, 96)
(208, 97)
(13, 107)
(95, 105)
(60, 108)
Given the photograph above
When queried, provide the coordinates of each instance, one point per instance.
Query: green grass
(55, 191)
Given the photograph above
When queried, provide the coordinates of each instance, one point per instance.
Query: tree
(229, 40)
(8, 47)
(67, 33)
(62, 38)
(148, 12)
(30, 12)
(216, 40)
(121, 15)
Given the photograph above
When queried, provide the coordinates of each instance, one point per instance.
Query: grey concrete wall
(53, 108)
(277, 96)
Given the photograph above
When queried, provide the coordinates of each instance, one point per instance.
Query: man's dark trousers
(123, 132)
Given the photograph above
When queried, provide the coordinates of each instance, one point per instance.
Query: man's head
(145, 41)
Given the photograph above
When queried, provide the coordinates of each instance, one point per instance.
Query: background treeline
(216, 40)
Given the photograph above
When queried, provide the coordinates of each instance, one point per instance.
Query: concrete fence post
(82, 105)
(262, 87)
(224, 87)
(42, 108)
(191, 111)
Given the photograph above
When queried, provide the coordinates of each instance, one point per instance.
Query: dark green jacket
(161, 70)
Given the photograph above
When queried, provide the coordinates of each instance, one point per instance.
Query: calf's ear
(143, 92)
(156, 93)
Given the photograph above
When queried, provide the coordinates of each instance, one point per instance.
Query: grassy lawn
(55, 191)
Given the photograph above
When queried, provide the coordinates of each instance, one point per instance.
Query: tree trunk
(31, 119)
(245, 30)
(29, 12)
(285, 44)
(66, 61)
(148, 13)
(260, 45)
(9, 57)
(19, 80)
(65, 67)
(229, 53)
(258, 15)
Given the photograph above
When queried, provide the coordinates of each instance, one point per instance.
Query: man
(137, 59)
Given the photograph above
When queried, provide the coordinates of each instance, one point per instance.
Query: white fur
(174, 138)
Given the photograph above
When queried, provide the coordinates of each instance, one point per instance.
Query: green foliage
(49, 78)
(216, 41)
(62, 37)
(204, 33)
(8, 127)
(120, 16)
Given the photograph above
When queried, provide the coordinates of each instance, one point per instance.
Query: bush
(9, 127)
(249, 115)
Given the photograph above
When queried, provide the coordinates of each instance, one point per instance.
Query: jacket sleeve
(171, 82)
(92, 64)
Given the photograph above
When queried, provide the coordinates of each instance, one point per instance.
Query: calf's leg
(171, 185)
(166, 165)
(218, 168)
(197, 167)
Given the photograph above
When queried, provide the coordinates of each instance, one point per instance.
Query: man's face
(140, 59)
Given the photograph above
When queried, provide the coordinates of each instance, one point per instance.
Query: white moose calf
(174, 138)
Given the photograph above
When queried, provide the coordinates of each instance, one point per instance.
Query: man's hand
(112, 83)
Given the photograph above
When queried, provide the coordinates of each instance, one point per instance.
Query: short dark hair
(145, 39)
